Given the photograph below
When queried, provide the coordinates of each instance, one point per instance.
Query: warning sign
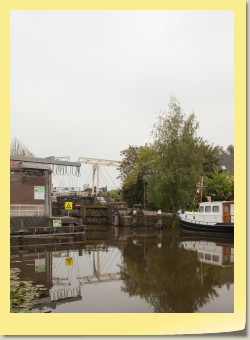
(68, 205)
(69, 261)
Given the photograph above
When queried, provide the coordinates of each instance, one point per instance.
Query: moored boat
(212, 217)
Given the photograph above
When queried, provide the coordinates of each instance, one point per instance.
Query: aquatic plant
(22, 293)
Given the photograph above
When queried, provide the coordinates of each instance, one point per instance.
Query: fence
(27, 210)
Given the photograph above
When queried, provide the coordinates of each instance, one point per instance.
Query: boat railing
(204, 222)
(198, 222)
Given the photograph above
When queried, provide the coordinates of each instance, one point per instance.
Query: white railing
(194, 221)
(27, 210)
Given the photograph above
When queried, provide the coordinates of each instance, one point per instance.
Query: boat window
(215, 208)
(216, 258)
(201, 255)
(208, 257)
(226, 208)
(201, 209)
(207, 209)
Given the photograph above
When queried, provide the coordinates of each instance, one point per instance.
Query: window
(207, 209)
(201, 255)
(226, 208)
(215, 208)
(208, 257)
(216, 258)
(201, 209)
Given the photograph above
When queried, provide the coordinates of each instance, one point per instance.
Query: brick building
(31, 184)
(27, 188)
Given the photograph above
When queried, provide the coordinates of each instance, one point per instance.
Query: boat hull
(218, 228)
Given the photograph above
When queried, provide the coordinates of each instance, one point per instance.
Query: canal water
(129, 270)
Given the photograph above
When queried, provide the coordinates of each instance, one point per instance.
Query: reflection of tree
(170, 278)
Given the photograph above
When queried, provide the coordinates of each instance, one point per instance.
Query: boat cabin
(212, 212)
(224, 209)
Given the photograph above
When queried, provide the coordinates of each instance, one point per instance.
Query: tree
(230, 149)
(135, 167)
(210, 159)
(220, 185)
(17, 148)
(180, 158)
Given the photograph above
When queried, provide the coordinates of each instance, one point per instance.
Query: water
(127, 270)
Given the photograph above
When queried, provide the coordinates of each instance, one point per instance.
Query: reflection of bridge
(101, 269)
(97, 275)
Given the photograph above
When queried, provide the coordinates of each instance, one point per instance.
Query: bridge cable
(111, 178)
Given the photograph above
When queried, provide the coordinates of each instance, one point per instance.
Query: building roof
(226, 161)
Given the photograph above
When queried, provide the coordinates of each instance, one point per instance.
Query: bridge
(96, 165)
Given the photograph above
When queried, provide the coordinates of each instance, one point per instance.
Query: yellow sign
(69, 261)
(68, 205)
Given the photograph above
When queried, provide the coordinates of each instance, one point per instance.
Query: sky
(91, 83)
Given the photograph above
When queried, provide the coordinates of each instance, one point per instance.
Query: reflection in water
(131, 270)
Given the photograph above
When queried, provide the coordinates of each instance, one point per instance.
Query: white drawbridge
(96, 164)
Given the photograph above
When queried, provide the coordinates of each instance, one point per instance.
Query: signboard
(39, 192)
(69, 261)
(57, 223)
(40, 266)
(68, 205)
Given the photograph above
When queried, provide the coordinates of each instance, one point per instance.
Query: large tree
(180, 158)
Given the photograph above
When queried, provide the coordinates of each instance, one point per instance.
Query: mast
(201, 188)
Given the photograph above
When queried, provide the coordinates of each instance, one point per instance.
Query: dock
(41, 226)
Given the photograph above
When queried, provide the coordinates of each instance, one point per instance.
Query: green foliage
(136, 166)
(134, 193)
(168, 171)
(113, 194)
(180, 159)
(210, 161)
(230, 149)
(220, 184)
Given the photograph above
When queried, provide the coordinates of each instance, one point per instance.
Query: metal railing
(27, 210)
(204, 222)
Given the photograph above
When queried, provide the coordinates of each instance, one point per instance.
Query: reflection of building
(211, 253)
(64, 273)
(38, 268)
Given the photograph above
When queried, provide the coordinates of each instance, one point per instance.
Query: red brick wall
(22, 188)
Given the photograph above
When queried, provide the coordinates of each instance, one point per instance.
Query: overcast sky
(91, 83)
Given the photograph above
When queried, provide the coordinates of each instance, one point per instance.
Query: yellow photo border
(127, 323)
